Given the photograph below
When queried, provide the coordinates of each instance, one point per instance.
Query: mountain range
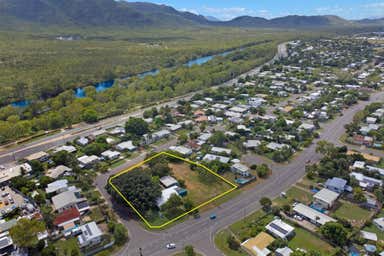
(139, 14)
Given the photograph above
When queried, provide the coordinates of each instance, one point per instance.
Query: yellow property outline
(234, 186)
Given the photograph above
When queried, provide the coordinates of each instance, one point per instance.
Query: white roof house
(126, 145)
(280, 229)
(110, 154)
(210, 157)
(252, 144)
(326, 198)
(219, 150)
(86, 161)
(69, 149)
(166, 194)
(365, 181)
(286, 251)
(276, 146)
(240, 169)
(90, 234)
(15, 171)
(379, 223)
(168, 181)
(57, 171)
(312, 215)
(57, 186)
(181, 150)
(69, 199)
(82, 141)
(368, 235)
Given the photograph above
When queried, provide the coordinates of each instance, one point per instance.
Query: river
(102, 86)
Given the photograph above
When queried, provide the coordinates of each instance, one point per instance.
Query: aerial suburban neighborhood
(267, 147)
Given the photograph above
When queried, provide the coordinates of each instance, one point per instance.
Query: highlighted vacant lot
(178, 187)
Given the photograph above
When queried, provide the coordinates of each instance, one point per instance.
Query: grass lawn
(352, 212)
(67, 247)
(250, 225)
(221, 244)
(295, 194)
(306, 240)
(199, 192)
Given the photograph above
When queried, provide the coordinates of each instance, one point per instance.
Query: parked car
(170, 246)
(213, 216)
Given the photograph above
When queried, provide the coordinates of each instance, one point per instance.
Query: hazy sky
(227, 9)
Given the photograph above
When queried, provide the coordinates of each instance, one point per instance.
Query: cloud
(189, 10)
(227, 13)
(374, 5)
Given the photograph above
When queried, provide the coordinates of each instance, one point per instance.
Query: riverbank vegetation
(36, 68)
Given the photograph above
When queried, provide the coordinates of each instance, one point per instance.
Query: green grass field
(352, 212)
(306, 240)
(295, 194)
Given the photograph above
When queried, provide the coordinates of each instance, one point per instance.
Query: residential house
(258, 246)
(312, 215)
(286, 251)
(82, 141)
(184, 151)
(379, 223)
(366, 182)
(58, 171)
(15, 171)
(336, 185)
(211, 157)
(110, 155)
(39, 156)
(280, 229)
(68, 149)
(57, 186)
(325, 198)
(67, 220)
(166, 194)
(276, 146)
(240, 169)
(90, 235)
(126, 146)
(219, 150)
(252, 144)
(87, 161)
(70, 199)
(168, 181)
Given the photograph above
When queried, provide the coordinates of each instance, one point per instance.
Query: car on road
(213, 216)
(170, 246)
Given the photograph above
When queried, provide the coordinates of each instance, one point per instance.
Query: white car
(170, 246)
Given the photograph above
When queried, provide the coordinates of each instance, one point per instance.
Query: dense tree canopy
(138, 187)
(26, 239)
